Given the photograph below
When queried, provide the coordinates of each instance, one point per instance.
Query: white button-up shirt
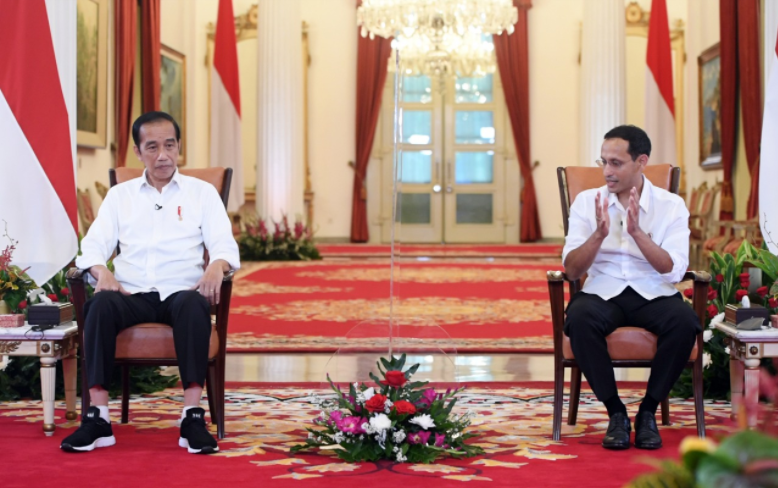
(161, 235)
(620, 263)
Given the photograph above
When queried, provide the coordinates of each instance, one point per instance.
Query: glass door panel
(474, 167)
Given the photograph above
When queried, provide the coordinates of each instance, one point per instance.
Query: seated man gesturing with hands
(632, 240)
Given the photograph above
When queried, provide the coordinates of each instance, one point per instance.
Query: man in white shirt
(162, 223)
(632, 240)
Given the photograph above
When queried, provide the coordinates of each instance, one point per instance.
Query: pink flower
(351, 425)
(427, 398)
(440, 440)
(298, 230)
(336, 416)
(419, 437)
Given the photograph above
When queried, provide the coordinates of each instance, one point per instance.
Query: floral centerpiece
(286, 243)
(14, 282)
(730, 283)
(397, 419)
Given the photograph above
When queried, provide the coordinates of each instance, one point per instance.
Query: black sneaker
(194, 436)
(94, 432)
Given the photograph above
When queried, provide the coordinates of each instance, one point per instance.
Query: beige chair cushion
(154, 341)
(627, 343)
(580, 178)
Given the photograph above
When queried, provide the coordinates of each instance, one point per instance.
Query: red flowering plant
(14, 282)
(285, 243)
(731, 282)
(397, 419)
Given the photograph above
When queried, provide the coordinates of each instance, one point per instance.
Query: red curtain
(750, 93)
(150, 54)
(125, 15)
(729, 53)
(513, 62)
(372, 59)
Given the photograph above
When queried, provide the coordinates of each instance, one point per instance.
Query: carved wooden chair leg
(210, 386)
(559, 392)
(85, 398)
(125, 393)
(575, 395)
(219, 403)
(699, 406)
(666, 411)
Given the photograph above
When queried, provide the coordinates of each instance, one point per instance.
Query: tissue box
(735, 313)
(53, 314)
(11, 320)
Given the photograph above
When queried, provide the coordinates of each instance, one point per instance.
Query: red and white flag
(226, 146)
(768, 160)
(37, 134)
(660, 105)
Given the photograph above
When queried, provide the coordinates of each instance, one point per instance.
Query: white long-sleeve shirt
(161, 234)
(619, 262)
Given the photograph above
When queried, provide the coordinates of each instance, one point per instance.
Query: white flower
(388, 405)
(424, 421)
(380, 422)
(338, 438)
(707, 335)
(716, 320)
(401, 458)
(4, 362)
(398, 436)
(705, 360)
(368, 394)
(726, 350)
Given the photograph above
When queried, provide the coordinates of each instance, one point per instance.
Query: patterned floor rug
(441, 250)
(464, 305)
(513, 422)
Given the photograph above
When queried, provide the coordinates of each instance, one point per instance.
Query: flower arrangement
(14, 282)
(729, 285)
(396, 419)
(286, 243)
(748, 458)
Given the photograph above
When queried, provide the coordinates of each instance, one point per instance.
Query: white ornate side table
(60, 342)
(746, 350)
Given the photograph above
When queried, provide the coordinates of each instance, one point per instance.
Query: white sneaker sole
(100, 442)
(183, 442)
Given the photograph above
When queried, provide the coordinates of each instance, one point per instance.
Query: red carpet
(512, 420)
(449, 250)
(473, 306)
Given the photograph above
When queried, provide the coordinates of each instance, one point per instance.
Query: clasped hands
(603, 218)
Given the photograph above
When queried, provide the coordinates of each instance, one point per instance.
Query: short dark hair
(638, 140)
(149, 117)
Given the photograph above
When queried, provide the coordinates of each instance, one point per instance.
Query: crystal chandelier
(428, 18)
(469, 55)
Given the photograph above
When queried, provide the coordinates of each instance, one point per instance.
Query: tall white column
(770, 17)
(603, 79)
(280, 111)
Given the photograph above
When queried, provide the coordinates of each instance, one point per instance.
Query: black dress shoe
(646, 432)
(617, 436)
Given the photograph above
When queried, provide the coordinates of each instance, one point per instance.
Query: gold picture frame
(91, 73)
(709, 73)
(172, 97)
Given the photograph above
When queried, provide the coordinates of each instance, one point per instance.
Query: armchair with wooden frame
(627, 346)
(151, 344)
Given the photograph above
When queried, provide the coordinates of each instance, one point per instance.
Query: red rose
(22, 305)
(64, 291)
(773, 303)
(740, 294)
(712, 294)
(395, 379)
(376, 403)
(404, 408)
(745, 276)
(52, 297)
(713, 310)
(719, 277)
(761, 291)
(688, 293)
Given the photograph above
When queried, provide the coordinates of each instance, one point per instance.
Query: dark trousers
(590, 319)
(110, 312)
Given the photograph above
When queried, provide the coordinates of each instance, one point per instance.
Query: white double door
(450, 180)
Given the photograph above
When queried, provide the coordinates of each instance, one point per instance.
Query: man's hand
(633, 213)
(210, 285)
(602, 217)
(106, 281)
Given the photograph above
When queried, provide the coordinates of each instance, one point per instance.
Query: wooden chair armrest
(75, 274)
(229, 275)
(697, 276)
